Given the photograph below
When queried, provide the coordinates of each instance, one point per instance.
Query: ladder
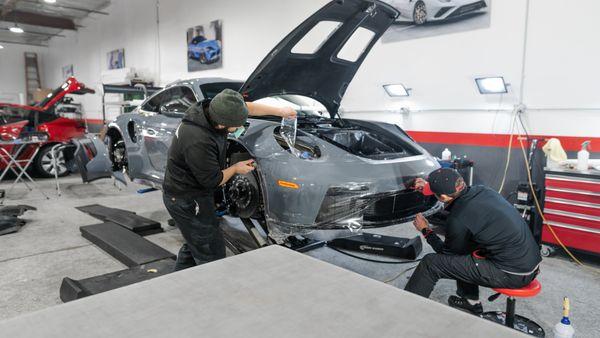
(32, 75)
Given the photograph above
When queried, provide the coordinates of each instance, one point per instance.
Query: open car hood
(323, 74)
(70, 86)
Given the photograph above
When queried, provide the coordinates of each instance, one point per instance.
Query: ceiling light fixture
(16, 29)
(492, 85)
(1, 47)
(396, 90)
(50, 1)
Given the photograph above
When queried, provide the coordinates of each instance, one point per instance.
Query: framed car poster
(426, 18)
(205, 46)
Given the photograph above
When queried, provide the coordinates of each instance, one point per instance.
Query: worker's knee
(428, 259)
(430, 263)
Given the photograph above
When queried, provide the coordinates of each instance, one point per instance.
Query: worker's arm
(203, 160)
(259, 109)
(241, 168)
(457, 237)
(422, 225)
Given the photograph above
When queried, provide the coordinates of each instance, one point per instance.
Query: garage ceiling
(42, 21)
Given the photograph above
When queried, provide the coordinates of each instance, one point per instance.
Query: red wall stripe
(94, 121)
(569, 143)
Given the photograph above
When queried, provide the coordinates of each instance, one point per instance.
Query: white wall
(12, 69)
(560, 67)
(131, 25)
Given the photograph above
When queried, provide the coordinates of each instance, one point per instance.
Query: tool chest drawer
(572, 209)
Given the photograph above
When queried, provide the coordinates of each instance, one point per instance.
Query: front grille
(378, 209)
(468, 8)
(398, 207)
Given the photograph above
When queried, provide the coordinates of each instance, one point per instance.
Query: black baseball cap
(443, 181)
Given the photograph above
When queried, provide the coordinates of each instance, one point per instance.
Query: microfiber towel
(554, 150)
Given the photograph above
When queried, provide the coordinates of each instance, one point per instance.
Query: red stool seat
(530, 290)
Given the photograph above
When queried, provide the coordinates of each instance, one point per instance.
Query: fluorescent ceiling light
(1, 47)
(16, 29)
(396, 90)
(50, 1)
(491, 85)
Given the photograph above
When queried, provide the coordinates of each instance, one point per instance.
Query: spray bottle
(583, 156)
(564, 329)
(446, 155)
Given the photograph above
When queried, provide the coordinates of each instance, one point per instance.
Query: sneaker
(463, 304)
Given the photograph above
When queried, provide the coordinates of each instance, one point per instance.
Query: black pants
(196, 219)
(469, 273)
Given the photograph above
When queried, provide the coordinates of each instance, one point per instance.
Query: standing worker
(196, 168)
(479, 219)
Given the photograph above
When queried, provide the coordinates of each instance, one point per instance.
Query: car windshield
(51, 96)
(210, 90)
(198, 39)
(305, 106)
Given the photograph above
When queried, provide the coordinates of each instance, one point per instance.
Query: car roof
(195, 85)
(200, 81)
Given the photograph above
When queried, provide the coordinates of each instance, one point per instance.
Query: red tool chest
(572, 209)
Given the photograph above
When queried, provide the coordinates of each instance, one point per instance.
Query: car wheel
(420, 13)
(190, 55)
(203, 59)
(117, 153)
(44, 166)
(244, 196)
(243, 192)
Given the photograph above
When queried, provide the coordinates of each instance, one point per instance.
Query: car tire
(117, 153)
(420, 13)
(244, 193)
(202, 59)
(42, 164)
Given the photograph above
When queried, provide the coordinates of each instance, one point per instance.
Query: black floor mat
(128, 219)
(129, 248)
(15, 210)
(10, 224)
(72, 289)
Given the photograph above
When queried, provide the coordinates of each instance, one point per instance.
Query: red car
(18, 120)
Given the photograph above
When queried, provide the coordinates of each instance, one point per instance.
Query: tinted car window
(154, 103)
(210, 90)
(173, 100)
(178, 101)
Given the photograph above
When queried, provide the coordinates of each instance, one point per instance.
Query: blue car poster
(116, 59)
(205, 46)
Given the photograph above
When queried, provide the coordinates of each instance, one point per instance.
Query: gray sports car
(326, 172)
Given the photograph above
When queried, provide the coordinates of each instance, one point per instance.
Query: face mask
(238, 132)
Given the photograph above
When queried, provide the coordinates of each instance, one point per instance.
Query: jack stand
(303, 244)
(254, 233)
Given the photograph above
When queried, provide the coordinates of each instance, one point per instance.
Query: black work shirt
(482, 219)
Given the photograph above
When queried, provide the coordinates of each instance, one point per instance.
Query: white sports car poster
(425, 18)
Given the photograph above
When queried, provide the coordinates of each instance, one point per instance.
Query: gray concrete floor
(50, 247)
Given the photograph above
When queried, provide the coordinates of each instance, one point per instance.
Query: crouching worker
(479, 219)
(196, 169)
